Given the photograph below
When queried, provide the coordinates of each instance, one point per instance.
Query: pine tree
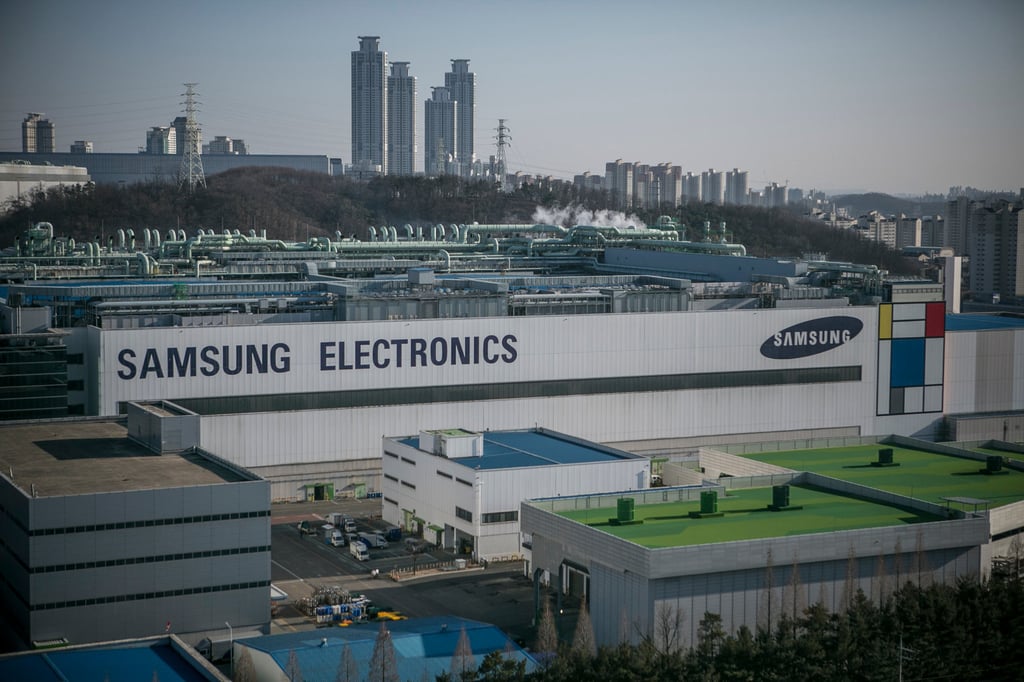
(463, 665)
(383, 664)
(348, 670)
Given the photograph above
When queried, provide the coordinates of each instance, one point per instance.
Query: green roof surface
(923, 475)
(746, 517)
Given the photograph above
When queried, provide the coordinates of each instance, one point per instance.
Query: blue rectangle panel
(907, 362)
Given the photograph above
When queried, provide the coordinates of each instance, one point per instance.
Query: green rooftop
(745, 516)
(923, 475)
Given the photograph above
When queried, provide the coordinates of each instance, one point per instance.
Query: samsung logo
(811, 338)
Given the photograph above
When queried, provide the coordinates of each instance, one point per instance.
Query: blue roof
(967, 322)
(119, 664)
(532, 448)
(422, 646)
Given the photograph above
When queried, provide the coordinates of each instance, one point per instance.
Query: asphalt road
(499, 594)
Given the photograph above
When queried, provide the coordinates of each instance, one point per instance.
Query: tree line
(296, 205)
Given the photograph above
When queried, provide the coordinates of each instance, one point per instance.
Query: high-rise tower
(461, 83)
(38, 135)
(369, 107)
(401, 120)
(440, 132)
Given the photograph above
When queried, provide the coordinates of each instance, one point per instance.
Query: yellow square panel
(885, 321)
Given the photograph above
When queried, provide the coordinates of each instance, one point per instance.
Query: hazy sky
(902, 97)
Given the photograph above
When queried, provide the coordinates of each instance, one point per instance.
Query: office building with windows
(401, 120)
(370, 107)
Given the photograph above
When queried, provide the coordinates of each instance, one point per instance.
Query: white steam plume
(579, 215)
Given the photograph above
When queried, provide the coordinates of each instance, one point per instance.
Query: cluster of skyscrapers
(639, 185)
(384, 102)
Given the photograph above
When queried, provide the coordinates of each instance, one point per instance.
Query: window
(464, 514)
(408, 485)
(500, 517)
(443, 474)
(464, 482)
(408, 461)
(393, 479)
(391, 454)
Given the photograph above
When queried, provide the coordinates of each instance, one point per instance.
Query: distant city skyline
(909, 98)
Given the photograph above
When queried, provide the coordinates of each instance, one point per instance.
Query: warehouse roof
(981, 322)
(158, 660)
(424, 647)
(77, 457)
(534, 448)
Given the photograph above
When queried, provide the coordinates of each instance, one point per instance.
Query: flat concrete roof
(82, 457)
(745, 516)
(929, 476)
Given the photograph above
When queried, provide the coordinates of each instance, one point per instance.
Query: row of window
(408, 485)
(463, 481)
(464, 514)
(390, 501)
(130, 561)
(393, 479)
(444, 474)
(421, 395)
(408, 461)
(499, 517)
(150, 595)
(146, 524)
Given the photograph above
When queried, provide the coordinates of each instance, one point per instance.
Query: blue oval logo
(811, 337)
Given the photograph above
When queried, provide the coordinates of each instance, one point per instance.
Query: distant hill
(296, 205)
(861, 204)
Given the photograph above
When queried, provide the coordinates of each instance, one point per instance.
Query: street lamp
(231, 650)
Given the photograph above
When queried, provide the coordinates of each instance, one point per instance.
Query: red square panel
(935, 319)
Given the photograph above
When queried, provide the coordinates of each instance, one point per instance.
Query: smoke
(578, 215)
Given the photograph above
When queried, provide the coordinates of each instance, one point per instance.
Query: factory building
(298, 358)
(461, 490)
(113, 532)
(750, 540)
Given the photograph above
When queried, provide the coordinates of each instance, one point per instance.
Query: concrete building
(107, 539)
(712, 186)
(162, 140)
(81, 147)
(908, 231)
(370, 106)
(38, 135)
(681, 552)
(618, 182)
(461, 490)
(117, 169)
(775, 196)
(401, 120)
(180, 125)
(995, 237)
(18, 180)
(691, 188)
(736, 182)
(461, 83)
(440, 133)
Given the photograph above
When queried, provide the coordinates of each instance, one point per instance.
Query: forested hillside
(295, 205)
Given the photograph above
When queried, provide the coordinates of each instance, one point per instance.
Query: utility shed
(462, 490)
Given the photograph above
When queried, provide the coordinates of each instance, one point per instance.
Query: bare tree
(583, 642)
(765, 615)
(293, 671)
(850, 584)
(463, 665)
(547, 635)
(881, 580)
(348, 670)
(793, 596)
(245, 669)
(383, 664)
(668, 628)
(624, 631)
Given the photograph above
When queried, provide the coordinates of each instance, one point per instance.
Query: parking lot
(499, 594)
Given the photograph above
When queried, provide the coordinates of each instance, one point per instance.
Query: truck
(334, 537)
(373, 539)
(306, 528)
(358, 551)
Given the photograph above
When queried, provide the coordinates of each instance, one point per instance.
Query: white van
(358, 551)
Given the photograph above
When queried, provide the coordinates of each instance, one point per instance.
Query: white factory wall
(984, 371)
(134, 364)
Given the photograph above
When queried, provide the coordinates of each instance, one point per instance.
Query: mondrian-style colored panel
(911, 357)
(907, 362)
(885, 321)
(935, 320)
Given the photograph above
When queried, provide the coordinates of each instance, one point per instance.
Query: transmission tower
(501, 162)
(191, 173)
